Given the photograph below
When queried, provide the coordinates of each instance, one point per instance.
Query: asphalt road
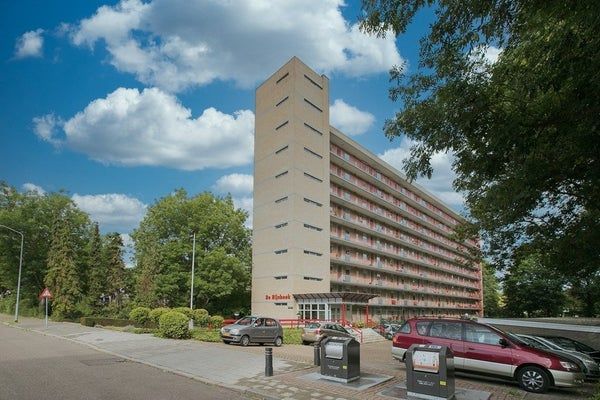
(34, 366)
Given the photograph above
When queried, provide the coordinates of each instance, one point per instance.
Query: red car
(483, 349)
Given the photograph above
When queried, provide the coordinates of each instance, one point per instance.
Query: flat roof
(344, 296)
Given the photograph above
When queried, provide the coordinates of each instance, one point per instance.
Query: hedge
(173, 325)
(156, 313)
(93, 321)
(184, 310)
(140, 315)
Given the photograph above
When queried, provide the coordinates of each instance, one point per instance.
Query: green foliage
(140, 315)
(174, 325)
(97, 271)
(63, 276)
(115, 267)
(184, 310)
(523, 130)
(292, 335)
(206, 335)
(530, 289)
(156, 313)
(216, 321)
(491, 292)
(163, 244)
(201, 318)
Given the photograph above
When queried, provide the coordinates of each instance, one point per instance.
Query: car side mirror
(503, 342)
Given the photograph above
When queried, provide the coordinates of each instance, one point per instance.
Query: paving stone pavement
(242, 368)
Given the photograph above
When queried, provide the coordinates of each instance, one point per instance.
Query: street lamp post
(191, 322)
(20, 267)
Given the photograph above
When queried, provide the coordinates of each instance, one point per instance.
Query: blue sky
(120, 103)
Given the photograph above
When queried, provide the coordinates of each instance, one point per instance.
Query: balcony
(381, 284)
(400, 271)
(390, 218)
(402, 256)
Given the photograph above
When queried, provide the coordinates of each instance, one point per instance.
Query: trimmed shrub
(93, 321)
(184, 310)
(200, 315)
(140, 315)
(216, 321)
(173, 325)
(359, 324)
(156, 313)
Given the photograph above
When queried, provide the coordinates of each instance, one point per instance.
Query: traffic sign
(46, 294)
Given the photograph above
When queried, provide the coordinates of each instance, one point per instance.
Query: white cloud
(46, 127)
(30, 44)
(441, 180)
(491, 54)
(113, 211)
(153, 128)
(236, 184)
(349, 119)
(177, 44)
(245, 203)
(33, 188)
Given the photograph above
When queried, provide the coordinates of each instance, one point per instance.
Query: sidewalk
(242, 368)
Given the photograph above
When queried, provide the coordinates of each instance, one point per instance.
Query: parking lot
(376, 358)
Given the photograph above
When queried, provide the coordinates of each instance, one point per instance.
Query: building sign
(278, 296)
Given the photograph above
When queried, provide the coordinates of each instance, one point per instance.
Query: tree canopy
(524, 129)
(163, 244)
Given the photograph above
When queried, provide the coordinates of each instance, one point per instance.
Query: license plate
(226, 335)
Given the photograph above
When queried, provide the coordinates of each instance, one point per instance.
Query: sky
(120, 103)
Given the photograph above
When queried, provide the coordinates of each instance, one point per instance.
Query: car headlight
(234, 331)
(569, 366)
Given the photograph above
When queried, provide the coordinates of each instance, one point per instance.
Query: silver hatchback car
(248, 330)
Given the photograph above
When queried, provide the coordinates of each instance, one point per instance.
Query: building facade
(338, 234)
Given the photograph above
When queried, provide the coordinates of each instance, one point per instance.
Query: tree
(63, 276)
(524, 129)
(163, 244)
(36, 215)
(115, 268)
(491, 292)
(531, 290)
(97, 271)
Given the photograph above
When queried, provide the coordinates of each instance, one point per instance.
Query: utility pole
(191, 323)
(20, 267)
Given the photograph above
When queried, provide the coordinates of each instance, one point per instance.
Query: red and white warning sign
(46, 294)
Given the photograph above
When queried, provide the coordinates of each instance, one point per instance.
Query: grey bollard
(269, 361)
(317, 356)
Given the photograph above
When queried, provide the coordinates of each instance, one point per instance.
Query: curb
(239, 389)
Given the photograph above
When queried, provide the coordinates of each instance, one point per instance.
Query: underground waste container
(340, 359)
(430, 372)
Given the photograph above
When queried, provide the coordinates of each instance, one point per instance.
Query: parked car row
(535, 363)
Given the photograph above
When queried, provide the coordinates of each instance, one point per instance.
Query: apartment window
(282, 101)
(281, 200)
(313, 202)
(306, 149)
(284, 148)
(281, 251)
(283, 77)
(312, 253)
(280, 277)
(312, 278)
(312, 177)
(312, 104)
(282, 125)
(315, 130)
(314, 228)
(279, 226)
(313, 82)
(281, 174)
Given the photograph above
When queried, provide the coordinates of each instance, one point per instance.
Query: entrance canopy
(335, 297)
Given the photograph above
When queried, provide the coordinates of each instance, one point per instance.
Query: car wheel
(245, 340)
(304, 342)
(533, 379)
(278, 341)
(226, 342)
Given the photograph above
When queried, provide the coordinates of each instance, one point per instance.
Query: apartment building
(338, 233)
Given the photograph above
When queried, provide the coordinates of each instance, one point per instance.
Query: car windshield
(570, 344)
(313, 325)
(245, 321)
(527, 341)
(517, 339)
